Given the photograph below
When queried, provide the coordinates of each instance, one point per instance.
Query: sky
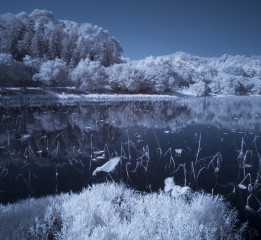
(208, 28)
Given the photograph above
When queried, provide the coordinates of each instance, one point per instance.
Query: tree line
(37, 49)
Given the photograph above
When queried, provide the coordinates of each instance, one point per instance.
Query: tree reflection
(62, 139)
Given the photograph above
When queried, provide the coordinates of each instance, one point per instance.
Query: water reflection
(206, 143)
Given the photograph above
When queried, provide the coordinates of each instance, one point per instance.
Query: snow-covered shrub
(110, 211)
(125, 78)
(89, 75)
(52, 72)
(139, 76)
(200, 89)
(157, 78)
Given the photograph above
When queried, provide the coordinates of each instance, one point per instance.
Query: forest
(38, 50)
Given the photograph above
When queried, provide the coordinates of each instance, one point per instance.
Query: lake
(211, 144)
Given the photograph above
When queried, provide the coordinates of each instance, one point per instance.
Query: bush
(110, 211)
(52, 72)
(89, 75)
(200, 89)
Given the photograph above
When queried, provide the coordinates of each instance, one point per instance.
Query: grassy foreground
(111, 211)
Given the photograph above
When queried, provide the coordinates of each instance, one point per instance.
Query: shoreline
(15, 97)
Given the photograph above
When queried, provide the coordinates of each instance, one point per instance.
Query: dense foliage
(197, 75)
(37, 41)
(39, 35)
(37, 49)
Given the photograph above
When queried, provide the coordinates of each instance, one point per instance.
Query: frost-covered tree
(69, 53)
(89, 75)
(52, 72)
(35, 38)
(25, 41)
(136, 76)
(200, 89)
(156, 77)
(40, 42)
(202, 75)
(125, 78)
(39, 35)
(11, 32)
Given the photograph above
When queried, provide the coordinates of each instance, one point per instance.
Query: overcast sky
(160, 27)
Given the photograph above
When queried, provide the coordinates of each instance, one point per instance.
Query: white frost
(111, 211)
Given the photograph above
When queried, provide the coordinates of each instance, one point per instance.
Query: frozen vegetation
(110, 211)
(36, 49)
(201, 76)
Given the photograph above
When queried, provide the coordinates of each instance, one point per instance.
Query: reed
(243, 186)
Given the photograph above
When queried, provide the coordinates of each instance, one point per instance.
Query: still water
(209, 144)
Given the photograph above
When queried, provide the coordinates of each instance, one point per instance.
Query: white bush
(200, 89)
(110, 211)
(125, 78)
(89, 75)
(52, 72)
